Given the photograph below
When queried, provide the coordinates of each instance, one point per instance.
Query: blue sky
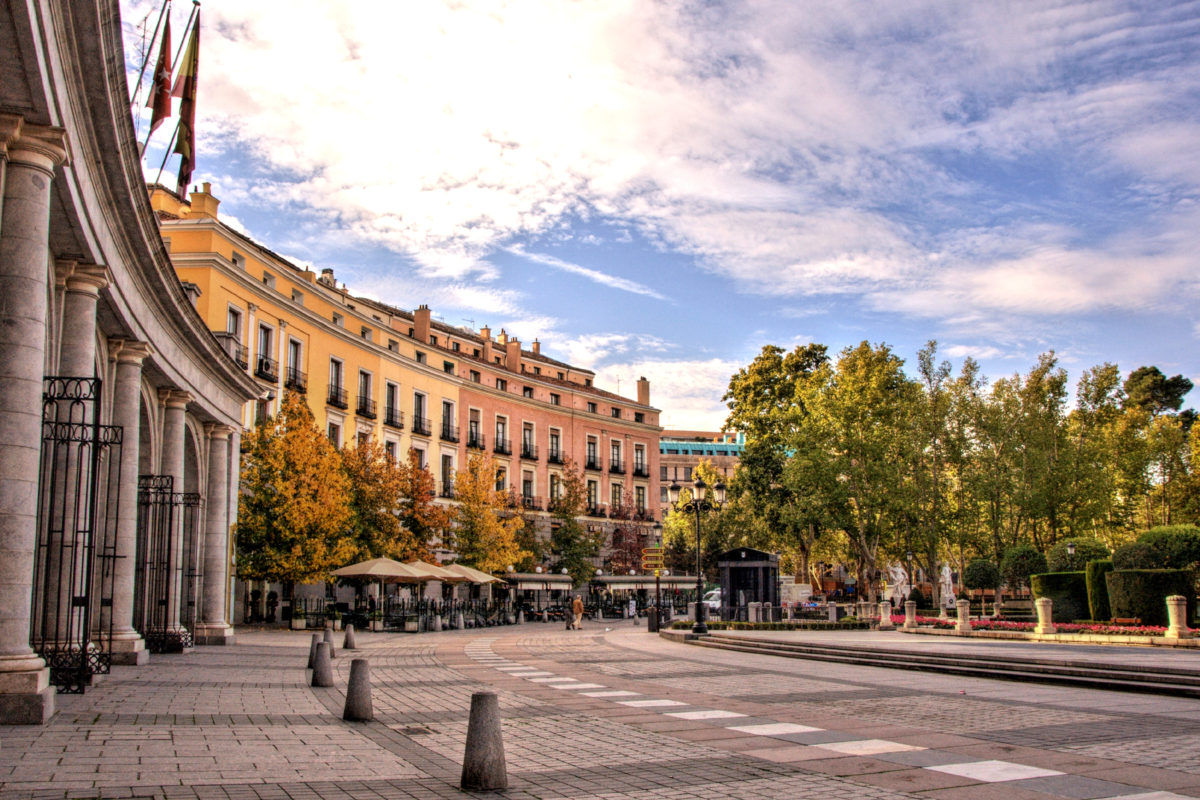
(662, 188)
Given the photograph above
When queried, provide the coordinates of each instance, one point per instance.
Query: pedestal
(885, 616)
(1177, 618)
(964, 617)
(1045, 614)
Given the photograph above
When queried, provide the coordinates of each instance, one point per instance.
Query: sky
(663, 187)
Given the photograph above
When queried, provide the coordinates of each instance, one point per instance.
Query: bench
(1127, 621)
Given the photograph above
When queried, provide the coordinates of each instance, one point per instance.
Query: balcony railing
(503, 447)
(420, 426)
(529, 450)
(266, 368)
(530, 502)
(446, 490)
(366, 408)
(591, 463)
(476, 440)
(616, 466)
(393, 417)
(338, 398)
(236, 350)
(554, 455)
(641, 471)
(296, 380)
(449, 432)
(596, 511)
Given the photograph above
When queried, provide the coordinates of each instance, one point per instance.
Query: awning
(433, 572)
(630, 582)
(539, 582)
(471, 574)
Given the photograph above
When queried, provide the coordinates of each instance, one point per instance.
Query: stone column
(1045, 615)
(77, 348)
(964, 617)
(128, 647)
(174, 403)
(233, 474)
(32, 153)
(910, 615)
(885, 616)
(1177, 618)
(214, 627)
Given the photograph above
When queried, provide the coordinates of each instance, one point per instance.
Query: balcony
(446, 490)
(592, 462)
(476, 440)
(338, 397)
(554, 456)
(502, 447)
(366, 408)
(641, 471)
(296, 380)
(616, 466)
(531, 503)
(529, 451)
(236, 350)
(393, 417)
(449, 432)
(420, 426)
(266, 368)
(595, 511)
(643, 515)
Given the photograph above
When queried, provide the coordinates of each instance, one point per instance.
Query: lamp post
(912, 582)
(697, 505)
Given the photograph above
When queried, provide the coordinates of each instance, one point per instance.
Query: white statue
(898, 583)
(947, 583)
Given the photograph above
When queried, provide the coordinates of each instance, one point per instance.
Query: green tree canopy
(485, 532)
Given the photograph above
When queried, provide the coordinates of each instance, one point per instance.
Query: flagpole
(187, 29)
(137, 87)
(167, 154)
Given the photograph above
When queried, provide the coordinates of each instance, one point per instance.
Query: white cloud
(594, 275)
(688, 391)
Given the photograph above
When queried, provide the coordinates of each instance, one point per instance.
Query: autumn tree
(485, 534)
(294, 510)
(376, 485)
(422, 518)
(571, 545)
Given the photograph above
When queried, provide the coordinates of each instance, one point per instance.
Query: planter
(336, 623)
(411, 625)
(298, 623)
(376, 624)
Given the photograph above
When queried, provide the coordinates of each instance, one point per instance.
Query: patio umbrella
(384, 570)
(473, 575)
(432, 572)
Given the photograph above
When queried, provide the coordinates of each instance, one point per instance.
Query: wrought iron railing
(393, 417)
(266, 368)
(449, 432)
(529, 451)
(338, 398)
(554, 455)
(503, 447)
(366, 408)
(616, 466)
(476, 440)
(296, 380)
(420, 426)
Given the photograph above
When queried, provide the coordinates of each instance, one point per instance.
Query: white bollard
(1045, 614)
(885, 616)
(964, 617)
(910, 615)
(1177, 618)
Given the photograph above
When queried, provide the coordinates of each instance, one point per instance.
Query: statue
(947, 585)
(898, 583)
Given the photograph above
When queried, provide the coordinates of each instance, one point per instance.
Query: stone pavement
(609, 712)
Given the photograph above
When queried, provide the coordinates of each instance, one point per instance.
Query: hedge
(1097, 588)
(1143, 593)
(1068, 590)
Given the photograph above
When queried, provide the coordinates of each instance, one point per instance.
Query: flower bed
(1095, 628)
(793, 625)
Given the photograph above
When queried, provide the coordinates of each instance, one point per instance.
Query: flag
(185, 89)
(160, 90)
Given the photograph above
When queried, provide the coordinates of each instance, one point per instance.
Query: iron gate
(166, 578)
(78, 498)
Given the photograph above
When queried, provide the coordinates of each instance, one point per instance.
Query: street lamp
(698, 504)
(912, 581)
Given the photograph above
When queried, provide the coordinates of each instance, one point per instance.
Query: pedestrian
(633, 609)
(577, 610)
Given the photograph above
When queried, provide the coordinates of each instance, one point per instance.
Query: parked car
(712, 600)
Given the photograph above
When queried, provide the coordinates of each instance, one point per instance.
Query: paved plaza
(607, 712)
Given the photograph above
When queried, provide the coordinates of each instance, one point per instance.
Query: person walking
(577, 610)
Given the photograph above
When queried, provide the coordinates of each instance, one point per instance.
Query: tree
(1149, 389)
(573, 546)
(375, 482)
(1086, 549)
(294, 510)
(1019, 563)
(981, 574)
(424, 519)
(762, 395)
(485, 535)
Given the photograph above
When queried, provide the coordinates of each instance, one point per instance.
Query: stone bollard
(312, 650)
(521, 617)
(1177, 618)
(942, 613)
(910, 615)
(1045, 615)
(885, 616)
(358, 693)
(460, 622)
(964, 617)
(329, 641)
(832, 610)
(437, 623)
(756, 612)
(323, 667)
(545, 615)
(348, 639)
(484, 769)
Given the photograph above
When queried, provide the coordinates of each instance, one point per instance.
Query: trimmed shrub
(1143, 593)
(981, 574)
(1020, 562)
(1087, 549)
(1068, 590)
(1135, 555)
(1097, 588)
(917, 596)
(1175, 546)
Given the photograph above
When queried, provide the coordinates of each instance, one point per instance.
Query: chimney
(327, 279)
(643, 396)
(421, 324)
(203, 203)
(537, 347)
(485, 333)
(512, 355)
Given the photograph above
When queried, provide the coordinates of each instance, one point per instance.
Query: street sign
(652, 551)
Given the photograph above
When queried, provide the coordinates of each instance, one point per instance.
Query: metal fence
(405, 614)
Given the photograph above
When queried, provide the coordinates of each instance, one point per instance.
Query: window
(527, 437)
(662, 495)
(639, 493)
(297, 297)
(501, 434)
(502, 384)
(269, 280)
(501, 479)
(475, 352)
(293, 356)
(364, 386)
(555, 486)
(363, 438)
(587, 381)
(420, 451)
(447, 475)
(366, 333)
(339, 320)
(238, 260)
(420, 357)
(555, 400)
(639, 458)
(687, 473)
(527, 484)
(616, 413)
(527, 391)
(335, 374)
(638, 416)
(393, 345)
(454, 347)
(433, 340)
(391, 396)
(233, 323)
(264, 341)
(591, 407)
(615, 454)
(335, 434)
(561, 376)
(662, 473)
(389, 449)
(593, 494)
(555, 445)
(615, 495)
(448, 367)
(419, 410)
(474, 376)
(593, 459)
(537, 370)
